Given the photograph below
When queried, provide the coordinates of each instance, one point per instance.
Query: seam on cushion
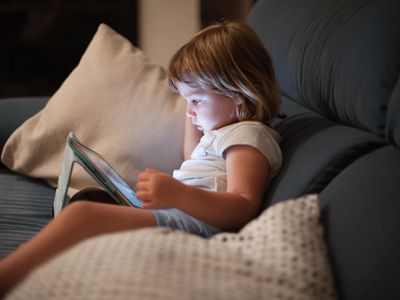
(340, 163)
(388, 134)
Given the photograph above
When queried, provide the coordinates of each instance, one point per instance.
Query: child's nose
(189, 111)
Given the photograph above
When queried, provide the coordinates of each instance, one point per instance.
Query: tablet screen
(104, 168)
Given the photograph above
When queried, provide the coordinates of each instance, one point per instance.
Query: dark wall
(41, 41)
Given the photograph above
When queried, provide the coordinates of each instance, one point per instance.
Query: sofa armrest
(14, 111)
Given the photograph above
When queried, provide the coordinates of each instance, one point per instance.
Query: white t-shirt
(206, 167)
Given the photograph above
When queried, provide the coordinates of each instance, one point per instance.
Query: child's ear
(237, 99)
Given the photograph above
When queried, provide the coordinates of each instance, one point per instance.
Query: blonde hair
(230, 59)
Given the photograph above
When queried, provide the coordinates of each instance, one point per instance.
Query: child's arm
(247, 173)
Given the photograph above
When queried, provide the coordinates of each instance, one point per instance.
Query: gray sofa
(338, 65)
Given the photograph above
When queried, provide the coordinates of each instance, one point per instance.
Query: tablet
(104, 174)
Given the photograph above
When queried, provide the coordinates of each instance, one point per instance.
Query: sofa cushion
(280, 255)
(339, 58)
(25, 207)
(360, 213)
(15, 111)
(393, 109)
(314, 151)
(118, 103)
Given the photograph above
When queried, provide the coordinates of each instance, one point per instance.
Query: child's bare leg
(75, 223)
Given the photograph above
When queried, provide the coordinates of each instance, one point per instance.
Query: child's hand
(157, 189)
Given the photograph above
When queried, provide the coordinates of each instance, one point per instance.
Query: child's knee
(79, 211)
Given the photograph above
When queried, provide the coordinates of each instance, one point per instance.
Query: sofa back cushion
(339, 58)
(315, 150)
(14, 111)
(393, 120)
(360, 213)
(338, 65)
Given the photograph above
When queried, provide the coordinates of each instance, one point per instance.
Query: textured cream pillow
(280, 255)
(118, 103)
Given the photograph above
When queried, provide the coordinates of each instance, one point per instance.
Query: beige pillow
(118, 103)
(280, 255)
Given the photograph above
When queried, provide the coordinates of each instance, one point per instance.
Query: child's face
(208, 110)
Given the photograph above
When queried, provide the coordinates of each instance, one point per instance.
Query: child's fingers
(141, 186)
(146, 199)
(143, 196)
(143, 176)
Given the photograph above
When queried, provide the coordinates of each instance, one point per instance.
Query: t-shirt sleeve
(261, 137)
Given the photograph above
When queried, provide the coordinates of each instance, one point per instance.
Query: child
(226, 76)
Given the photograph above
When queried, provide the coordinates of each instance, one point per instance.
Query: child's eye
(196, 101)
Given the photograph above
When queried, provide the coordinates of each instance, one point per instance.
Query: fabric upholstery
(14, 111)
(25, 207)
(314, 151)
(393, 109)
(360, 213)
(339, 58)
(338, 65)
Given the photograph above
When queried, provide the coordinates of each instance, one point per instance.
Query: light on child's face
(207, 109)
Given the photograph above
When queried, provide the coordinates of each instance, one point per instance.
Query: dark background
(41, 41)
